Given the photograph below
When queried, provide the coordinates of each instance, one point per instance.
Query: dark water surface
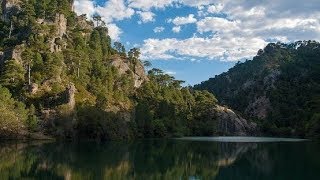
(162, 159)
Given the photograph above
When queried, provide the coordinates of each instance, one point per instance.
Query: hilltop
(279, 88)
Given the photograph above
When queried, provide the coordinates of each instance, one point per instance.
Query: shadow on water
(160, 159)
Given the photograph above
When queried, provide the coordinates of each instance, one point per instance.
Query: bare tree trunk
(78, 73)
(29, 74)
(11, 28)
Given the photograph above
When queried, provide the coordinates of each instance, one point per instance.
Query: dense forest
(62, 76)
(279, 88)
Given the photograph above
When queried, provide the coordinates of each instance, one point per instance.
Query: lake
(185, 158)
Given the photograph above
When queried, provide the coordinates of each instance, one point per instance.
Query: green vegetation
(13, 115)
(279, 88)
(64, 77)
(165, 108)
(68, 80)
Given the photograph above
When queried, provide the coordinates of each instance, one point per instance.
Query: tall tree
(97, 18)
(27, 56)
(13, 75)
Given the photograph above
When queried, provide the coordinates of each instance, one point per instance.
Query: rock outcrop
(9, 6)
(229, 123)
(70, 96)
(14, 53)
(125, 67)
(139, 75)
(57, 43)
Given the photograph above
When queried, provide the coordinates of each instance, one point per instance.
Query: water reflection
(158, 159)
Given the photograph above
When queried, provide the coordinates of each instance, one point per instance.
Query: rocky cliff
(125, 67)
(279, 87)
(74, 80)
(230, 123)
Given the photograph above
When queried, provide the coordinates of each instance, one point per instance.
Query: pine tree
(13, 75)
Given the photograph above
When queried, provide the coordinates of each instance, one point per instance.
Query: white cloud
(111, 11)
(215, 8)
(114, 31)
(183, 20)
(146, 16)
(158, 29)
(170, 72)
(216, 24)
(197, 3)
(148, 4)
(245, 26)
(210, 48)
(114, 10)
(176, 29)
(84, 7)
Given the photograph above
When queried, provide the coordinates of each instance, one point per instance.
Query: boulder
(33, 88)
(229, 123)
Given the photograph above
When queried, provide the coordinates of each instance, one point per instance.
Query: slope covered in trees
(279, 88)
(61, 76)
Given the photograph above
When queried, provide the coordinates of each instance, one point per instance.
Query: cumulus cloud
(228, 30)
(176, 29)
(158, 29)
(209, 48)
(146, 16)
(148, 4)
(183, 20)
(216, 24)
(114, 32)
(215, 8)
(245, 27)
(84, 7)
(114, 10)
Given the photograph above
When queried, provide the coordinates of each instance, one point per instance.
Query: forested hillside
(61, 76)
(279, 88)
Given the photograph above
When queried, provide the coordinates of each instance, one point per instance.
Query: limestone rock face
(7, 6)
(17, 52)
(57, 44)
(61, 23)
(259, 108)
(13, 53)
(139, 75)
(123, 66)
(70, 93)
(229, 123)
(84, 24)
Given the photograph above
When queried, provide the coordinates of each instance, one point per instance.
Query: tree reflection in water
(153, 159)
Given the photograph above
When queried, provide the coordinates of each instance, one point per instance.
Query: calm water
(189, 158)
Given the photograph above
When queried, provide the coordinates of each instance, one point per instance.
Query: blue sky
(197, 39)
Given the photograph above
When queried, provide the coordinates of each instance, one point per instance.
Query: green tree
(13, 75)
(13, 115)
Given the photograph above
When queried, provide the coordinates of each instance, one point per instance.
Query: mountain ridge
(276, 88)
(60, 76)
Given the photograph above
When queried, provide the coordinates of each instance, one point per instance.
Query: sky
(194, 40)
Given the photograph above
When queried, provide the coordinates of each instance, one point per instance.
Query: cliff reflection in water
(153, 159)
